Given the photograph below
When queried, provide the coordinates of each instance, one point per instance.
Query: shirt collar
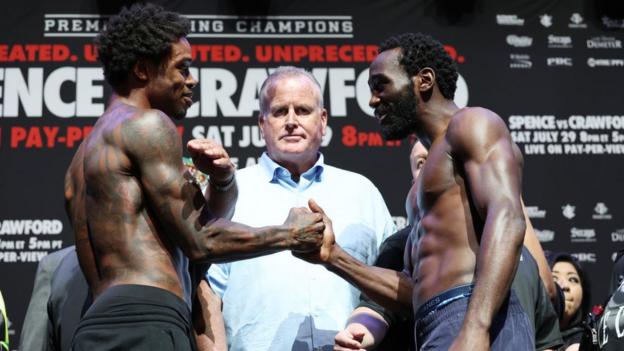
(273, 171)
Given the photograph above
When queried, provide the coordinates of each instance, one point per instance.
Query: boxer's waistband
(439, 301)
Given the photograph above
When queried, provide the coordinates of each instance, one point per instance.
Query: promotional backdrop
(552, 69)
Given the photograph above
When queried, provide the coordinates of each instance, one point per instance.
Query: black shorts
(135, 317)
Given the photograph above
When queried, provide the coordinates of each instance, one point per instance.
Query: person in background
(570, 277)
(4, 326)
(279, 302)
(611, 324)
(617, 273)
(35, 328)
(370, 324)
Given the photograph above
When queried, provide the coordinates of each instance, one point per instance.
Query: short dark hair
(140, 31)
(585, 307)
(419, 51)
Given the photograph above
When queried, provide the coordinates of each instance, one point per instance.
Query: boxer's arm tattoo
(180, 210)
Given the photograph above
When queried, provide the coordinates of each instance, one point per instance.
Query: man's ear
(323, 121)
(141, 70)
(261, 123)
(424, 80)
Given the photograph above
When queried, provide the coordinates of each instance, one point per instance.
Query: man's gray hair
(280, 73)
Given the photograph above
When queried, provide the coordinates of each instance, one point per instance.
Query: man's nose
(374, 101)
(291, 118)
(191, 82)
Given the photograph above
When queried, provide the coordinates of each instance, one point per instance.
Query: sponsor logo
(577, 21)
(568, 211)
(583, 235)
(559, 42)
(544, 235)
(612, 22)
(520, 61)
(518, 41)
(600, 62)
(585, 256)
(617, 236)
(509, 20)
(604, 43)
(546, 20)
(559, 61)
(535, 212)
(601, 211)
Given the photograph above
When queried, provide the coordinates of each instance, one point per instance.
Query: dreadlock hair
(419, 51)
(140, 31)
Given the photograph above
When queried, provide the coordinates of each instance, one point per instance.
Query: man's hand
(350, 338)
(321, 255)
(474, 339)
(306, 229)
(211, 158)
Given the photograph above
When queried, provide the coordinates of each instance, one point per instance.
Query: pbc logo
(585, 256)
(568, 211)
(559, 61)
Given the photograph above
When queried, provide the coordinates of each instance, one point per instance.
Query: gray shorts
(511, 328)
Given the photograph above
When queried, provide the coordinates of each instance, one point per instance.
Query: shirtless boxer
(137, 214)
(462, 254)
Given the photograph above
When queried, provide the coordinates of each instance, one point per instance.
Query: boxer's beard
(400, 119)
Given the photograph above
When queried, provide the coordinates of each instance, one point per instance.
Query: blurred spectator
(617, 274)
(611, 325)
(571, 279)
(4, 326)
(35, 328)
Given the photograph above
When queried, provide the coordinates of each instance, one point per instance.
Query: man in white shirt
(279, 302)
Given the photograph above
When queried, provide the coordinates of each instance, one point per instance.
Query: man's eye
(280, 112)
(302, 111)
